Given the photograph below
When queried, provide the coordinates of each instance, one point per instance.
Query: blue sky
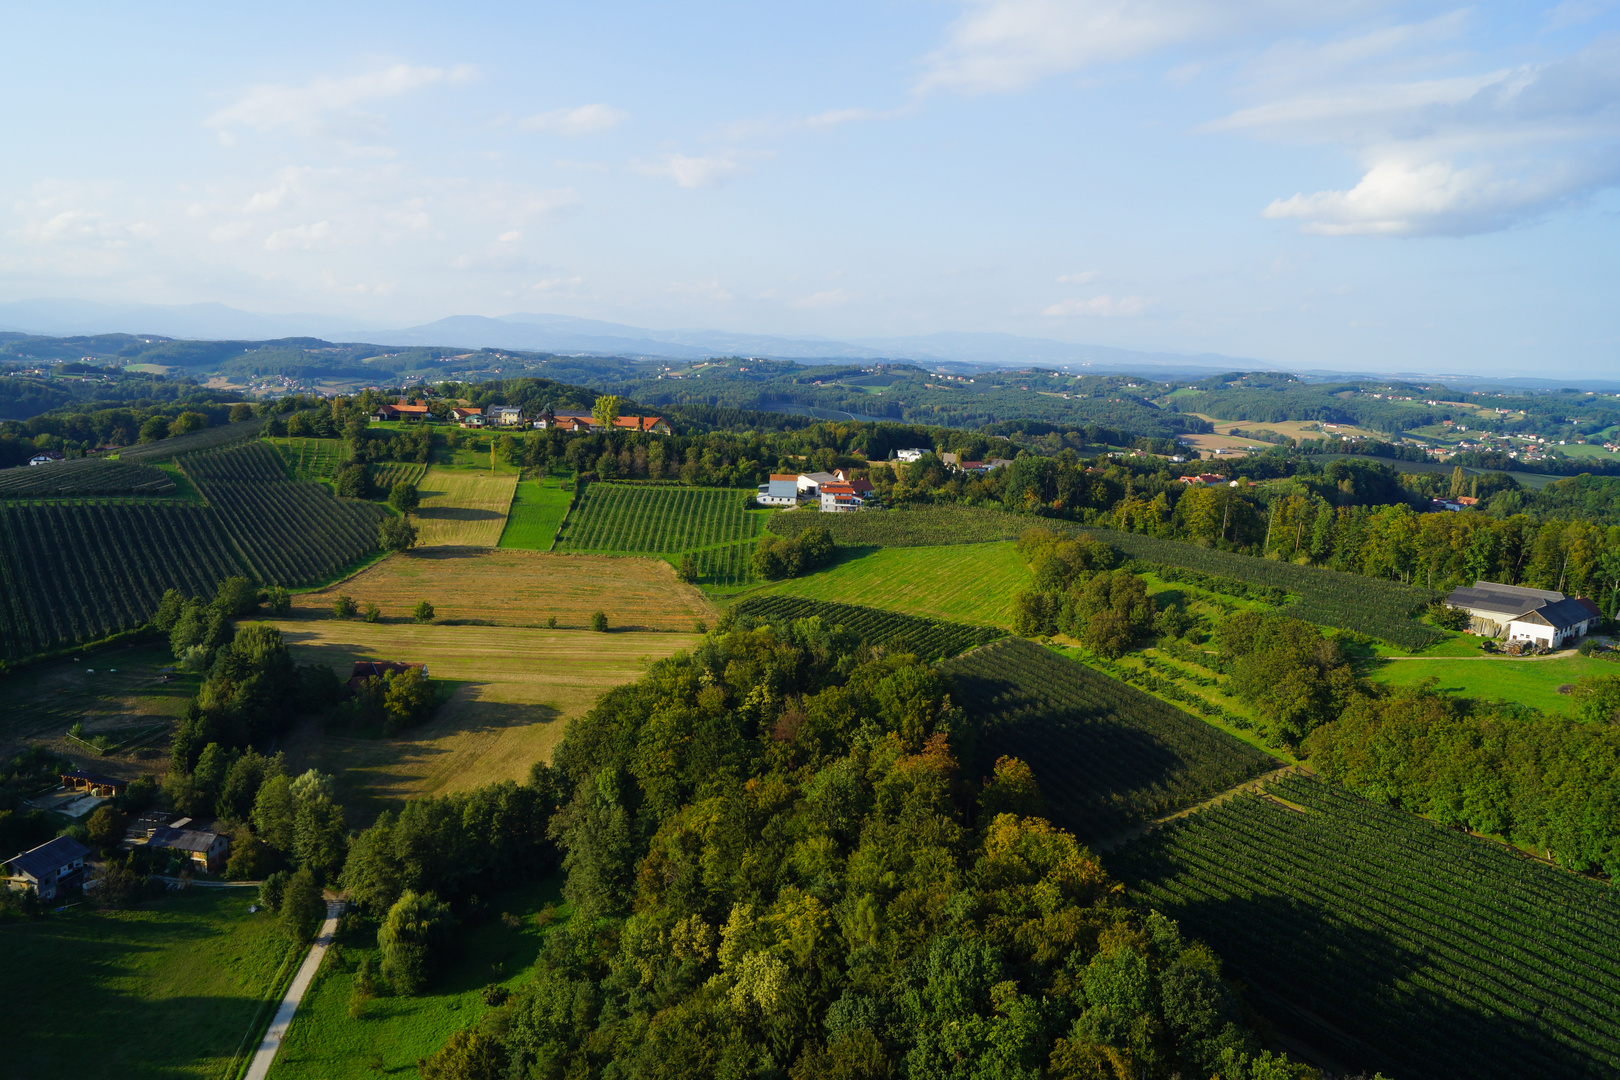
(1355, 185)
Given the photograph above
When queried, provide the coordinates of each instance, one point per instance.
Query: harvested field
(517, 690)
(463, 508)
(507, 587)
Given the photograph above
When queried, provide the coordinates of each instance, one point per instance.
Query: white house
(503, 415)
(840, 499)
(908, 456)
(810, 483)
(1515, 613)
(783, 490)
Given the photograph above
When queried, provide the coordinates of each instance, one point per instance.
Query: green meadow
(537, 512)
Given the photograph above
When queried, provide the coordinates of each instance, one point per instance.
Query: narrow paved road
(260, 1068)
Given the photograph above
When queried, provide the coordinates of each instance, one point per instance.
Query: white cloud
(230, 230)
(584, 120)
(1103, 306)
(1083, 278)
(304, 110)
(299, 236)
(692, 172)
(510, 237)
(830, 298)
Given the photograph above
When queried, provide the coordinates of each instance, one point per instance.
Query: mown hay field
(515, 689)
(969, 583)
(506, 587)
(538, 508)
(463, 508)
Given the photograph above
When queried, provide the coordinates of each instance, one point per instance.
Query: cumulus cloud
(583, 120)
(307, 109)
(1104, 306)
(692, 172)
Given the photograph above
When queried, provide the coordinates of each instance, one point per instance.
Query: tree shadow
(456, 513)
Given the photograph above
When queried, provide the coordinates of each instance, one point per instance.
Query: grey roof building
(49, 868)
(1517, 613)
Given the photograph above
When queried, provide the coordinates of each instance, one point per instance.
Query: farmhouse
(49, 868)
(1541, 616)
(839, 498)
(913, 454)
(377, 669)
(578, 421)
(45, 458)
(202, 846)
(467, 416)
(402, 410)
(783, 490)
(504, 416)
(1204, 478)
(810, 483)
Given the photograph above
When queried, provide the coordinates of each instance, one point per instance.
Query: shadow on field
(456, 513)
(445, 551)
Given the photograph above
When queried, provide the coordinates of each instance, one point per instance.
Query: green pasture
(537, 512)
(1530, 681)
(167, 990)
(326, 1043)
(969, 583)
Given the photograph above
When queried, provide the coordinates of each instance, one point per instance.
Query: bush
(495, 995)
(279, 599)
(272, 890)
(688, 570)
(422, 612)
(396, 534)
(121, 885)
(344, 607)
(469, 1055)
(404, 497)
(599, 622)
(551, 623)
(373, 613)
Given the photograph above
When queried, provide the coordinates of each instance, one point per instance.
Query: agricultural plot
(538, 509)
(926, 526)
(1389, 941)
(83, 476)
(206, 439)
(385, 474)
(1372, 606)
(968, 583)
(1533, 681)
(310, 459)
(77, 572)
(290, 532)
(463, 509)
(173, 987)
(726, 566)
(1105, 754)
(629, 519)
(903, 633)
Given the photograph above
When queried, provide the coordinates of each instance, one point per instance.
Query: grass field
(538, 509)
(114, 689)
(325, 1043)
(1529, 681)
(969, 583)
(463, 508)
(505, 587)
(514, 691)
(166, 990)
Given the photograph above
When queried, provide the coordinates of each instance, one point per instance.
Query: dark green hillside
(1394, 943)
(923, 526)
(206, 439)
(927, 638)
(1106, 755)
(83, 476)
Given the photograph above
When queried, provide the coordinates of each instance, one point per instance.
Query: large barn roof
(47, 858)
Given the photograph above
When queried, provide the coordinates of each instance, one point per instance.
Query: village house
(377, 669)
(48, 869)
(467, 416)
(782, 490)
(839, 498)
(204, 847)
(578, 421)
(46, 457)
(503, 416)
(910, 455)
(402, 410)
(1536, 616)
(1204, 478)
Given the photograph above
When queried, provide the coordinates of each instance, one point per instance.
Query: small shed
(205, 848)
(94, 784)
(48, 869)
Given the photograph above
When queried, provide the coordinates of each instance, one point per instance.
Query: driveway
(260, 1068)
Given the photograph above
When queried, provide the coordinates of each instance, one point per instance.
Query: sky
(1355, 186)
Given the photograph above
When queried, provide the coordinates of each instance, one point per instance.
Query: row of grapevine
(732, 564)
(1449, 956)
(72, 572)
(626, 518)
(926, 638)
(310, 459)
(384, 475)
(1106, 755)
(291, 532)
(925, 526)
(83, 476)
(206, 439)
(1373, 606)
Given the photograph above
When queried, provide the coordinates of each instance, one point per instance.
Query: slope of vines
(76, 572)
(206, 439)
(634, 519)
(83, 476)
(1106, 755)
(1392, 942)
(291, 532)
(926, 638)
(923, 526)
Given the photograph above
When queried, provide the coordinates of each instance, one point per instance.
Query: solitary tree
(344, 607)
(404, 497)
(599, 622)
(411, 938)
(606, 410)
(423, 612)
(688, 570)
(396, 534)
(106, 827)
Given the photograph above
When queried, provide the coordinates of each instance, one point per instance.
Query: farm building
(839, 498)
(204, 847)
(45, 458)
(1513, 612)
(810, 483)
(578, 421)
(402, 410)
(783, 490)
(49, 868)
(504, 416)
(94, 784)
(376, 669)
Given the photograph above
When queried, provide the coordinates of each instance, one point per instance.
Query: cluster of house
(836, 492)
(952, 461)
(1454, 505)
(1527, 616)
(510, 416)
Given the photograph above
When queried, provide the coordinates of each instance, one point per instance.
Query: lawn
(115, 688)
(463, 508)
(513, 692)
(969, 583)
(509, 587)
(326, 1043)
(537, 511)
(166, 990)
(1530, 681)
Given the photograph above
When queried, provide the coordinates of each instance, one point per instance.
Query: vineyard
(310, 459)
(1105, 754)
(83, 476)
(927, 638)
(291, 533)
(927, 526)
(78, 572)
(710, 524)
(206, 439)
(1449, 956)
(385, 474)
(1372, 606)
